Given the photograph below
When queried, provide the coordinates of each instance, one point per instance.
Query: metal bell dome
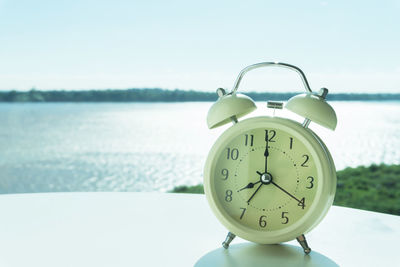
(314, 107)
(229, 107)
(310, 105)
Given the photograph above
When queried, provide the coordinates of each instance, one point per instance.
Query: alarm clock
(270, 179)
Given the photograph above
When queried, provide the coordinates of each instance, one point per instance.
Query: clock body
(269, 179)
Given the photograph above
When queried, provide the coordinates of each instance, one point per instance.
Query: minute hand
(266, 153)
(272, 182)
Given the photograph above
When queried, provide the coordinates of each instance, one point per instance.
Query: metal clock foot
(303, 242)
(228, 240)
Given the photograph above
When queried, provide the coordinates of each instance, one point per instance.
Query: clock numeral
(243, 211)
(249, 140)
(228, 195)
(232, 153)
(311, 180)
(262, 222)
(270, 135)
(305, 161)
(225, 173)
(302, 203)
(286, 219)
(291, 142)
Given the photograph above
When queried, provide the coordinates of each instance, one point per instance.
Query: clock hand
(272, 182)
(266, 152)
(258, 188)
(250, 185)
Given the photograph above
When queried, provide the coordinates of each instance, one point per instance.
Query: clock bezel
(325, 191)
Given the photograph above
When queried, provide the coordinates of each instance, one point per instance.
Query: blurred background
(113, 95)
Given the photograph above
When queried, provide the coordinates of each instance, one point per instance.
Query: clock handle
(271, 64)
(311, 105)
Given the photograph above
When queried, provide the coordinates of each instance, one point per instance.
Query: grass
(374, 188)
(195, 189)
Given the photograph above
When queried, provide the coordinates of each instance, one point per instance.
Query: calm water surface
(155, 146)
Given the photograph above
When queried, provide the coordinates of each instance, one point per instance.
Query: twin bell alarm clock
(270, 179)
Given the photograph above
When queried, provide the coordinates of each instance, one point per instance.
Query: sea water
(52, 147)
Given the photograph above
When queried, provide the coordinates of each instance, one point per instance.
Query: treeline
(161, 95)
(129, 95)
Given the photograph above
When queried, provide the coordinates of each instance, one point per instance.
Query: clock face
(267, 177)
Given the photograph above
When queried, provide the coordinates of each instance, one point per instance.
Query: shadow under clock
(255, 255)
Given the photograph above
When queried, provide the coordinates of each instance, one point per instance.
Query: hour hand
(250, 185)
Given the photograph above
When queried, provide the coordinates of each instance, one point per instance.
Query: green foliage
(158, 95)
(374, 188)
(196, 189)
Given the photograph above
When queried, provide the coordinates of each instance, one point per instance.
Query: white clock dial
(269, 180)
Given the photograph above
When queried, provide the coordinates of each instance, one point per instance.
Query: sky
(346, 46)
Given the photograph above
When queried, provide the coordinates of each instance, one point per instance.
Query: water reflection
(154, 146)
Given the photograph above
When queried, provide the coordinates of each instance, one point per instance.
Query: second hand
(258, 188)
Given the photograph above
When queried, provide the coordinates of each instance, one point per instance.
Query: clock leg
(303, 242)
(228, 240)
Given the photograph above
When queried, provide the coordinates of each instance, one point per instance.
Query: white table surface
(160, 229)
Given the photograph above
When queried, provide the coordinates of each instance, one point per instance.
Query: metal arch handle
(270, 64)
